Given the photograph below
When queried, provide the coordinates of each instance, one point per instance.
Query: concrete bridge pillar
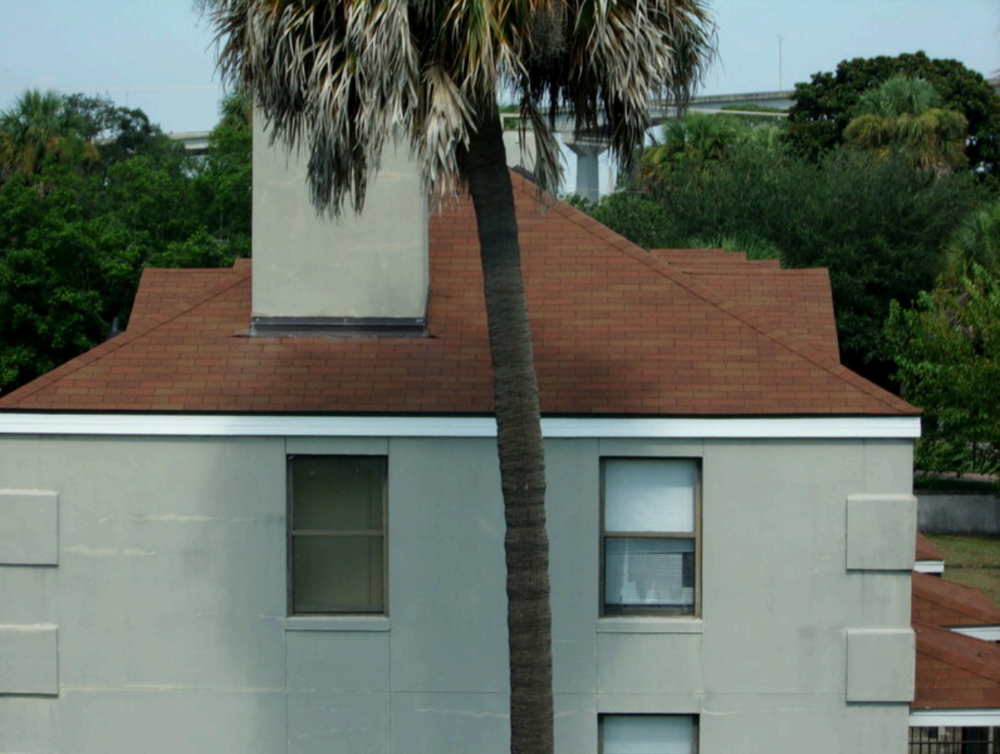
(587, 174)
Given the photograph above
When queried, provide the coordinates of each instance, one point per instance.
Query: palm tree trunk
(519, 444)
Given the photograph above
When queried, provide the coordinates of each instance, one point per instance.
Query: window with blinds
(649, 734)
(649, 536)
(336, 535)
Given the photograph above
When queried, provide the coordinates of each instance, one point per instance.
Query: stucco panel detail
(435, 723)
(880, 665)
(29, 660)
(337, 661)
(29, 724)
(321, 722)
(172, 721)
(625, 667)
(29, 527)
(880, 532)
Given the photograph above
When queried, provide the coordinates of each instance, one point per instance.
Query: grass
(973, 561)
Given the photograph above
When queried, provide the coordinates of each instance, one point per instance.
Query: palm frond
(342, 78)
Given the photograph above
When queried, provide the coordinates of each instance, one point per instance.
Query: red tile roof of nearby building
(926, 550)
(938, 602)
(617, 331)
(955, 671)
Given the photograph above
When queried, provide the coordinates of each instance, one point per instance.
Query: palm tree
(343, 77)
(904, 114)
(37, 126)
(976, 241)
(695, 139)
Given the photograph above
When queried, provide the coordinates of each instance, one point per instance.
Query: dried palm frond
(341, 79)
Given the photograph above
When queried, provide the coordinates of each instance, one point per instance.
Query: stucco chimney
(313, 275)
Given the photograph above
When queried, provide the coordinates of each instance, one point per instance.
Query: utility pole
(781, 88)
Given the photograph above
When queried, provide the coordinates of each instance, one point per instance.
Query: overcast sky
(158, 55)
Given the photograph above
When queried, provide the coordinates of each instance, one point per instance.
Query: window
(336, 547)
(648, 734)
(649, 536)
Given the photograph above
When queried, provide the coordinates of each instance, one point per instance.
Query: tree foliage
(976, 240)
(77, 226)
(826, 104)
(40, 127)
(947, 348)
(877, 223)
(699, 137)
(902, 116)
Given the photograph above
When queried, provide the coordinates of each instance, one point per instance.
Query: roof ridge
(108, 347)
(750, 317)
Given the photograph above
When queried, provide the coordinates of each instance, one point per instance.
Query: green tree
(118, 132)
(975, 241)
(50, 310)
(77, 231)
(37, 127)
(345, 78)
(903, 115)
(701, 137)
(825, 105)
(224, 186)
(947, 348)
(878, 224)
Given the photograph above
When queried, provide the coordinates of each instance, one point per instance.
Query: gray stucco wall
(169, 605)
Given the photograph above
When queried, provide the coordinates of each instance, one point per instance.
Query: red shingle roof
(617, 331)
(955, 671)
(927, 551)
(800, 301)
(938, 602)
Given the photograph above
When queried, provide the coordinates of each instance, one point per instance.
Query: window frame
(666, 612)
(694, 717)
(291, 533)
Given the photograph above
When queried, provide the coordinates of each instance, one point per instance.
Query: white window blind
(653, 495)
(649, 572)
(647, 734)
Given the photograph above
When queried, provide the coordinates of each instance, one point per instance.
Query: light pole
(780, 87)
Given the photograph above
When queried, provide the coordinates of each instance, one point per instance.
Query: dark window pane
(337, 574)
(337, 492)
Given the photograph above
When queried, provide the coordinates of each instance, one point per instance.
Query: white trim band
(986, 633)
(929, 566)
(257, 425)
(954, 718)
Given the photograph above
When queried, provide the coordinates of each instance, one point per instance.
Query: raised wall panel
(29, 660)
(880, 665)
(880, 532)
(29, 527)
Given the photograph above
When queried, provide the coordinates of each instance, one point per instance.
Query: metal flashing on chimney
(325, 327)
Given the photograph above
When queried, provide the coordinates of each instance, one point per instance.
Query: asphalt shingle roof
(955, 671)
(926, 550)
(938, 602)
(617, 331)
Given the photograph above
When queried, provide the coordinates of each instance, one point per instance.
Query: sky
(158, 55)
